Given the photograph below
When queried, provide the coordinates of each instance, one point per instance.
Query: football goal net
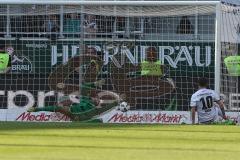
(147, 53)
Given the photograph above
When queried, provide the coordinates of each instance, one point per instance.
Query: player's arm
(193, 105)
(193, 113)
(221, 106)
(220, 103)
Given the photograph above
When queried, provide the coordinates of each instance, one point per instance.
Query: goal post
(147, 53)
(218, 48)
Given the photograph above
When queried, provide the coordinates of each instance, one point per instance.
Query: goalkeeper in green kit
(83, 108)
(92, 101)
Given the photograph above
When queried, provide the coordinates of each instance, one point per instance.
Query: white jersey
(204, 100)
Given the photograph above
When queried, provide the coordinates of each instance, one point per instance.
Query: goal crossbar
(117, 2)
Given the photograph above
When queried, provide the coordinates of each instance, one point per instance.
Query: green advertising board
(182, 58)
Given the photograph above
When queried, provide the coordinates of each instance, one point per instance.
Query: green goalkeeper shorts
(86, 110)
(85, 104)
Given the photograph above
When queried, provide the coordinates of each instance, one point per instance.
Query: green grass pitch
(88, 141)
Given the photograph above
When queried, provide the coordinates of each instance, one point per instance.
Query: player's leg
(218, 120)
(208, 122)
(61, 109)
(47, 109)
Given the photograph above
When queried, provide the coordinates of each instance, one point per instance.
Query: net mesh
(149, 56)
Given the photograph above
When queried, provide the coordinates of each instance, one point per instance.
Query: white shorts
(218, 117)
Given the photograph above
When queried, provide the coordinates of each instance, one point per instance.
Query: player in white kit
(202, 102)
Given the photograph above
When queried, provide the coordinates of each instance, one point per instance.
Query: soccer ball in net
(123, 106)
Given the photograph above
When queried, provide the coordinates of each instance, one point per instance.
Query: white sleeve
(216, 97)
(193, 102)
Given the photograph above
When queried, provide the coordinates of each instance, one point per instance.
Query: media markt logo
(21, 64)
(42, 117)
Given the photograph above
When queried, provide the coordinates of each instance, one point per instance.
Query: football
(123, 106)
